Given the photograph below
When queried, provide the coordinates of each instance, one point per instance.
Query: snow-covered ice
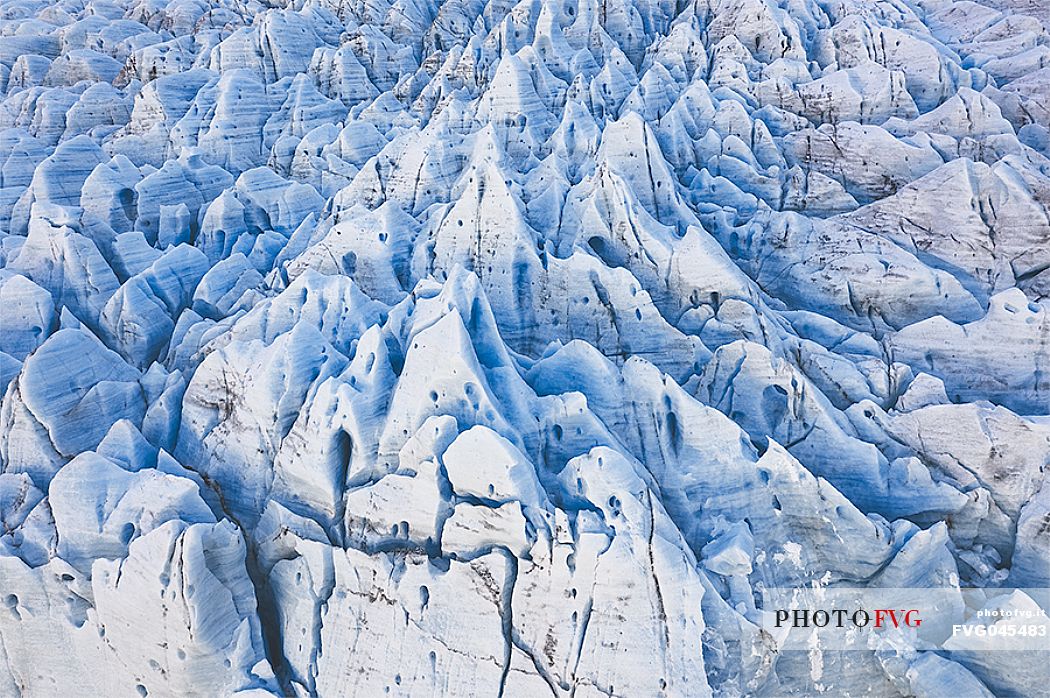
(514, 348)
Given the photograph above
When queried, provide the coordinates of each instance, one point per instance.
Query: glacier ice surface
(513, 348)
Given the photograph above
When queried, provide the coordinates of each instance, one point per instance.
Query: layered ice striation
(495, 348)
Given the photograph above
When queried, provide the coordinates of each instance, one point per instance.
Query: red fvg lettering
(909, 617)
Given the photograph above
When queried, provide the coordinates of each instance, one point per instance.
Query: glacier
(493, 348)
